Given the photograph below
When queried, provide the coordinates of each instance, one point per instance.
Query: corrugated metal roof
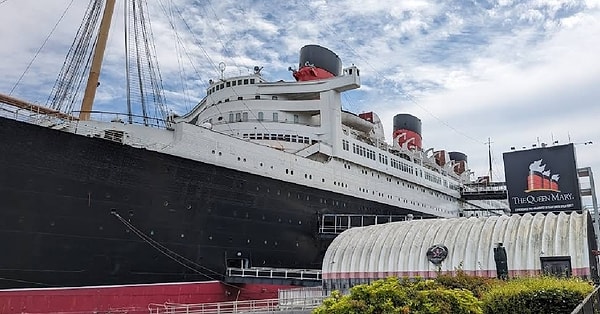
(399, 248)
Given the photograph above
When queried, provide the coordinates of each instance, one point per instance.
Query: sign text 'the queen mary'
(542, 179)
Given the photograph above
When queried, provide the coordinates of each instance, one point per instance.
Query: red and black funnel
(317, 63)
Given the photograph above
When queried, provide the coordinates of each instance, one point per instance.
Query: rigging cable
(77, 62)
(179, 259)
(42, 47)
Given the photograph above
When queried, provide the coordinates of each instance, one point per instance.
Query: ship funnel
(407, 131)
(441, 157)
(460, 162)
(317, 63)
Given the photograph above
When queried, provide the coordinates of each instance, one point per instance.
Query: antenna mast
(93, 78)
(489, 143)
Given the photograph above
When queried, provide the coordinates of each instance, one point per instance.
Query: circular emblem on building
(437, 253)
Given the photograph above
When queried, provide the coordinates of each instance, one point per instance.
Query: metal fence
(298, 300)
(590, 305)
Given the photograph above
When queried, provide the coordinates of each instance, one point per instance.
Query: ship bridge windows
(383, 159)
(345, 145)
(363, 151)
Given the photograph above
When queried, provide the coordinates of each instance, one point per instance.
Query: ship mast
(93, 78)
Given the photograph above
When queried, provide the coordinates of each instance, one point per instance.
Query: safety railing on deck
(275, 273)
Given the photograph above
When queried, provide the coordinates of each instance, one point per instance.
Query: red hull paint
(311, 74)
(127, 299)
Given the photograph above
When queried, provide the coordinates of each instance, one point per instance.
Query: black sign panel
(542, 179)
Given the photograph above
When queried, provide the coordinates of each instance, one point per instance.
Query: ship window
(233, 83)
(274, 97)
(257, 97)
(350, 71)
(213, 90)
(238, 117)
(244, 116)
(222, 86)
(252, 81)
(239, 82)
(246, 82)
(240, 98)
(226, 99)
(275, 117)
(228, 84)
(231, 117)
(261, 116)
(218, 87)
(296, 118)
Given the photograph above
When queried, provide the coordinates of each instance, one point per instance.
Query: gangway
(334, 224)
(484, 191)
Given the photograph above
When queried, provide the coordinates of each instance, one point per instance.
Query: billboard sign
(542, 179)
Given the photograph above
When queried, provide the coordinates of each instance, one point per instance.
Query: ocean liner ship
(253, 176)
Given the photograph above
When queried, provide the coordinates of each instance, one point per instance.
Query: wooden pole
(93, 78)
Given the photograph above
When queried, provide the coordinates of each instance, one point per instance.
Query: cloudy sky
(516, 72)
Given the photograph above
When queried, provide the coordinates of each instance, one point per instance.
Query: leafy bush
(394, 295)
(477, 285)
(542, 295)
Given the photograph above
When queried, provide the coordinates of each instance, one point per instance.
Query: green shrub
(394, 295)
(544, 295)
(477, 285)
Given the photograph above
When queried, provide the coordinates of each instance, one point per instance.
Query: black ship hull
(87, 211)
